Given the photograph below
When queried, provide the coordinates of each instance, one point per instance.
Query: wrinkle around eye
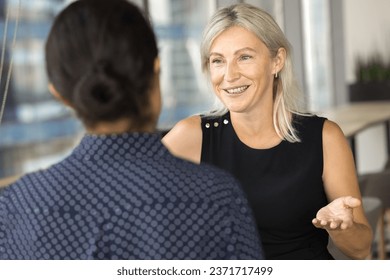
(216, 64)
(215, 60)
(245, 57)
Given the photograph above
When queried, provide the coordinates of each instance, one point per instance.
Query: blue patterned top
(126, 197)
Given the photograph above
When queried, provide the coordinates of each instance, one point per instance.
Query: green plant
(373, 69)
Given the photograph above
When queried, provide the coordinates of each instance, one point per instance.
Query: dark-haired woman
(120, 194)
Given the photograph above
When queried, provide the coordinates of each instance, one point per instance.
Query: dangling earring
(276, 75)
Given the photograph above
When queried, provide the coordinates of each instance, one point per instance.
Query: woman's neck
(119, 126)
(256, 131)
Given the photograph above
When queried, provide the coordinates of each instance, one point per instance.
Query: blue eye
(216, 61)
(245, 57)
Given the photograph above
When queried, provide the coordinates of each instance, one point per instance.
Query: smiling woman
(242, 71)
(296, 168)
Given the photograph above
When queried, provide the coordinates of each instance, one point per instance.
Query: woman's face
(242, 70)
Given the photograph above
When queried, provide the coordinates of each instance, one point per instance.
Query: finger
(334, 225)
(317, 223)
(344, 226)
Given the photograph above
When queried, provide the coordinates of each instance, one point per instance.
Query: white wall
(371, 149)
(367, 30)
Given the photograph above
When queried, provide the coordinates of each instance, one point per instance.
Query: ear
(279, 60)
(58, 96)
(157, 65)
(156, 102)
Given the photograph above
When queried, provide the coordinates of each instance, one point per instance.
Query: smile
(236, 90)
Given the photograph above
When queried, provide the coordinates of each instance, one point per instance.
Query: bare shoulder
(185, 139)
(188, 124)
(332, 132)
(335, 144)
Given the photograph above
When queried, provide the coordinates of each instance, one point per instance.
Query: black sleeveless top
(283, 183)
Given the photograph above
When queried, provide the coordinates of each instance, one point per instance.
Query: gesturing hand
(338, 214)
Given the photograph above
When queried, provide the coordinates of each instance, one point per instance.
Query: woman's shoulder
(187, 125)
(317, 125)
(308, 119)
(313, 120)
(309, 126)
(185, 139)
(332, 132)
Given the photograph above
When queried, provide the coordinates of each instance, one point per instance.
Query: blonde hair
(287, 96)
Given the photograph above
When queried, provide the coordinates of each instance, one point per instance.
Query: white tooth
(238, 90)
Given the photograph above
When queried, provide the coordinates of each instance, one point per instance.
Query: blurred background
(330, 38)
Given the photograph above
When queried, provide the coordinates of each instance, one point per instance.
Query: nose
(231, 72)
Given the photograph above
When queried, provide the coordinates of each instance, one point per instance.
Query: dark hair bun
(100, 57)
(98, 94)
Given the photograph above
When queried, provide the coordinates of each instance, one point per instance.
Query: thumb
(351, 202)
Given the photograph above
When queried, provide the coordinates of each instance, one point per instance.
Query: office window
(318, 54)
(35, 129)
(178, 25)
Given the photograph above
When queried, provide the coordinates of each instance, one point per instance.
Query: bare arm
(344, 217)
(184, 140)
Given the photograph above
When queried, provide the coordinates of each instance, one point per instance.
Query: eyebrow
(237, 51)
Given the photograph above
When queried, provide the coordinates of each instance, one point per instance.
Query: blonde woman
(297, 169)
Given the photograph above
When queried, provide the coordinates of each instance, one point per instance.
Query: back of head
(100, 57)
